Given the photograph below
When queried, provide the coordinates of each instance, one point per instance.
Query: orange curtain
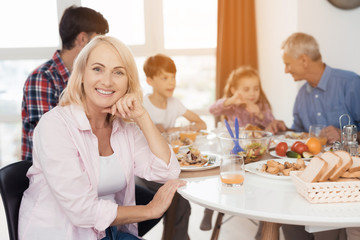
(236, 41)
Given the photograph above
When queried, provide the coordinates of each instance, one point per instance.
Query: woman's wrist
(143, 117)
(148, 212)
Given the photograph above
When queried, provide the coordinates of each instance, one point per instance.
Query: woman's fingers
(164, 196)
(113, 109)
(128, 106)
(124, 105)
(173, 185)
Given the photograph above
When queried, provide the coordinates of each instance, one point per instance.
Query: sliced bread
(334, 161)
(355, 165)
(351, 174)
(347, 179)
(345, 165)
(314, 170)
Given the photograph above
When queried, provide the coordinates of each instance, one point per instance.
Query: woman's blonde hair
(74, 92)
(239, 74)
(301, 43)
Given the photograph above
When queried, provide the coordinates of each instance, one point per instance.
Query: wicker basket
(327, 192)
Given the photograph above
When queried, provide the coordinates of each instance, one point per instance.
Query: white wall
(336, 30)
(276, 20)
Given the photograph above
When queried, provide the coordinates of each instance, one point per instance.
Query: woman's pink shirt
(62, 199)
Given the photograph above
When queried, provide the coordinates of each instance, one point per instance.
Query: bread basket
(327, 192)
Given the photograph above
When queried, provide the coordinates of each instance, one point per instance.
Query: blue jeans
(113, 234)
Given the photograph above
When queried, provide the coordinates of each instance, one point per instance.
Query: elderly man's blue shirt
(337, 93)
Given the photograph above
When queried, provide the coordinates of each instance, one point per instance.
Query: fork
(237, 148)
(211, 161)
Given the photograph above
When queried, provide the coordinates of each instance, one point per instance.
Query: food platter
(256, 166)
(203, 168)
(193, 159)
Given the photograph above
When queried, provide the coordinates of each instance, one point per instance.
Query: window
(28, 25)
(190, 24)
(125, 18)
(12, 77)
(13, 74)
(184, 30)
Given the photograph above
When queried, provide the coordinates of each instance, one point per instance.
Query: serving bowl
(254, 143)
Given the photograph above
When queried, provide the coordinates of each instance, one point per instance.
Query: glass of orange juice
(176, 148)
(232, 171)
(188, 134)
(316, 130)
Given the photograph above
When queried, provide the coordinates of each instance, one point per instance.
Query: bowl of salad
(255, 144)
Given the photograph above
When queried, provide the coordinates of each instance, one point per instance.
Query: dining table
(272, 200)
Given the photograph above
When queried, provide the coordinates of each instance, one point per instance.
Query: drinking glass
(188, 134)
(232, 171)
(173, 140)
(316, 130)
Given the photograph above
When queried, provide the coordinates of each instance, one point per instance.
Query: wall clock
(345, 4)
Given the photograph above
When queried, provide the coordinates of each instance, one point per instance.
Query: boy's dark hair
(80, 19)
(160, 62)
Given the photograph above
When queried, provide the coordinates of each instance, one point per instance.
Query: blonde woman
(88, 149)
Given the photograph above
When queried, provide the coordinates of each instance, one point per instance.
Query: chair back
(13, 182)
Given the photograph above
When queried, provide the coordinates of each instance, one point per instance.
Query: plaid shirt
(41, 93)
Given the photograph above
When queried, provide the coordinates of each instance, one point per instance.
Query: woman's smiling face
(105, 79)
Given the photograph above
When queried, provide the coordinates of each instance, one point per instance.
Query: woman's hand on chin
(128, 106)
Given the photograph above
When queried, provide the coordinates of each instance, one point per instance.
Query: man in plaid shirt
(43, 87)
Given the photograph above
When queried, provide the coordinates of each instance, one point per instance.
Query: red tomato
(281, 149)
(293, 146)
(301, 147)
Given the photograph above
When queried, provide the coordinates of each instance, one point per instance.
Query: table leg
(216, 231)
(270, 231)
(170, 219)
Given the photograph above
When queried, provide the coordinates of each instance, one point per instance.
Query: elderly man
(327, 94)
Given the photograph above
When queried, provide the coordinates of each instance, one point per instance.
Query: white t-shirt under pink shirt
(166, 117)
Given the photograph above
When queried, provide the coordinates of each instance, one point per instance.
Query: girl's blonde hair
(234, 80)
(74, 92)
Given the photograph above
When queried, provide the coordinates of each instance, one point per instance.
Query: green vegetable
(292, 154)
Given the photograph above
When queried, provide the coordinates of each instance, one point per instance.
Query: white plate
(289, 141)
(281, 138)
(196, 168)
(256, 166)
(185, 147)
(273, 153)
